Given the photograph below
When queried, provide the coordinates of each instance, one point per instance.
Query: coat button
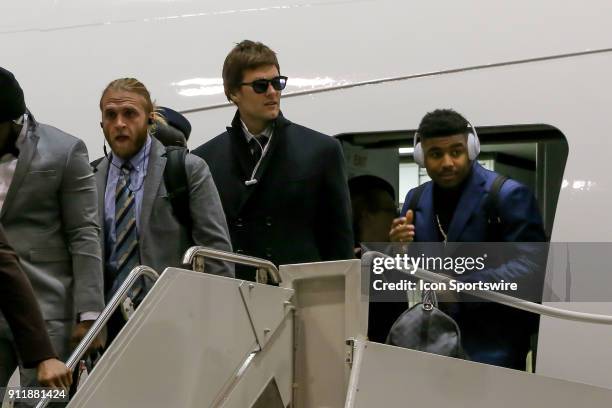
(238, 223)
(269, 221)
(269, 253)
(239, 251)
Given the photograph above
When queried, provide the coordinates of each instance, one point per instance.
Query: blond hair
(133, 85)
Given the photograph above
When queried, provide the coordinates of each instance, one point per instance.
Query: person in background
(176, 129)
(374, 209)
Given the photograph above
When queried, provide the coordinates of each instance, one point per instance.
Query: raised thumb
(409, 217)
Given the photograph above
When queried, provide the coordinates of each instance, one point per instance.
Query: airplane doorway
(534, 155)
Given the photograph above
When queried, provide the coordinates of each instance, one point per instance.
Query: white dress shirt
(8, 164)
(267, 132)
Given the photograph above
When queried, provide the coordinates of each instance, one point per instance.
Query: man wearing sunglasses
(282, 186)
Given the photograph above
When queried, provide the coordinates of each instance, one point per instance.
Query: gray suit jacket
(50, 219)
(162, 239)
(19, 306)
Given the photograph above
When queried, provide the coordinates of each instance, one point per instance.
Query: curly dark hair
(442, 122)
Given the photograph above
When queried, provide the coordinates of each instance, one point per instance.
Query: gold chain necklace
(441, 229)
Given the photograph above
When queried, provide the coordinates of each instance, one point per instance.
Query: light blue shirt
(137, 177)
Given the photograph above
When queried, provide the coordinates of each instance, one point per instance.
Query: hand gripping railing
(101, 321)
(266, 270)
(504, 299)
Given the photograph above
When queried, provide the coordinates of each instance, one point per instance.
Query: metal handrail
(509, 300)
(192, 254)
(101, 321)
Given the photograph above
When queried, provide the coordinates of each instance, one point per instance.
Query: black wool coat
(299, 208)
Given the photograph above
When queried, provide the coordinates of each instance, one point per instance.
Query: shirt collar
(138, 160)
(267, 132)
(18, 142)
(22, 134)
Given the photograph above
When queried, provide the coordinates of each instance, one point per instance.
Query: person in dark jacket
(176, 130)
(21, 311)
(453, 208)
(283, 186)
(374, 208)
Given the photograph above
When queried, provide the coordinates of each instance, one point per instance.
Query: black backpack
(177, 186)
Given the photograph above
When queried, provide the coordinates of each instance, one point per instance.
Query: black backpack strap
(95, 163)
(414, 200)
(177, 186)
(493, 198)
(491, 210)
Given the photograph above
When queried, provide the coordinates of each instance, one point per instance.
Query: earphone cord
(263, 154)
(143, 161)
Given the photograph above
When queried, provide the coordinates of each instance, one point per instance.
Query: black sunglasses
(261, 85)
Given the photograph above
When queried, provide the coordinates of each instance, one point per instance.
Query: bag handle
(430, 299)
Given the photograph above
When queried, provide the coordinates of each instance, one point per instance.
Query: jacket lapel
(424, 218)
(240, 150)
(279, 133)
(467, 205)
(101, 174)
(26, 154)
(153, 178)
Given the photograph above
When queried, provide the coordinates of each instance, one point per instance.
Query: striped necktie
(126, 245)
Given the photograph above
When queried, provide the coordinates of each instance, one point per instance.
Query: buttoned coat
(299, 208)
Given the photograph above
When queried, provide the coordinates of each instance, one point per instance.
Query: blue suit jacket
(517, 208)
(492, 333)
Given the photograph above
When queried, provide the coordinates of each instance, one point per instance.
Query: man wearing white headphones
(457, 206)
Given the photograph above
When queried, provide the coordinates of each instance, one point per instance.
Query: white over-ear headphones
(473, 145)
